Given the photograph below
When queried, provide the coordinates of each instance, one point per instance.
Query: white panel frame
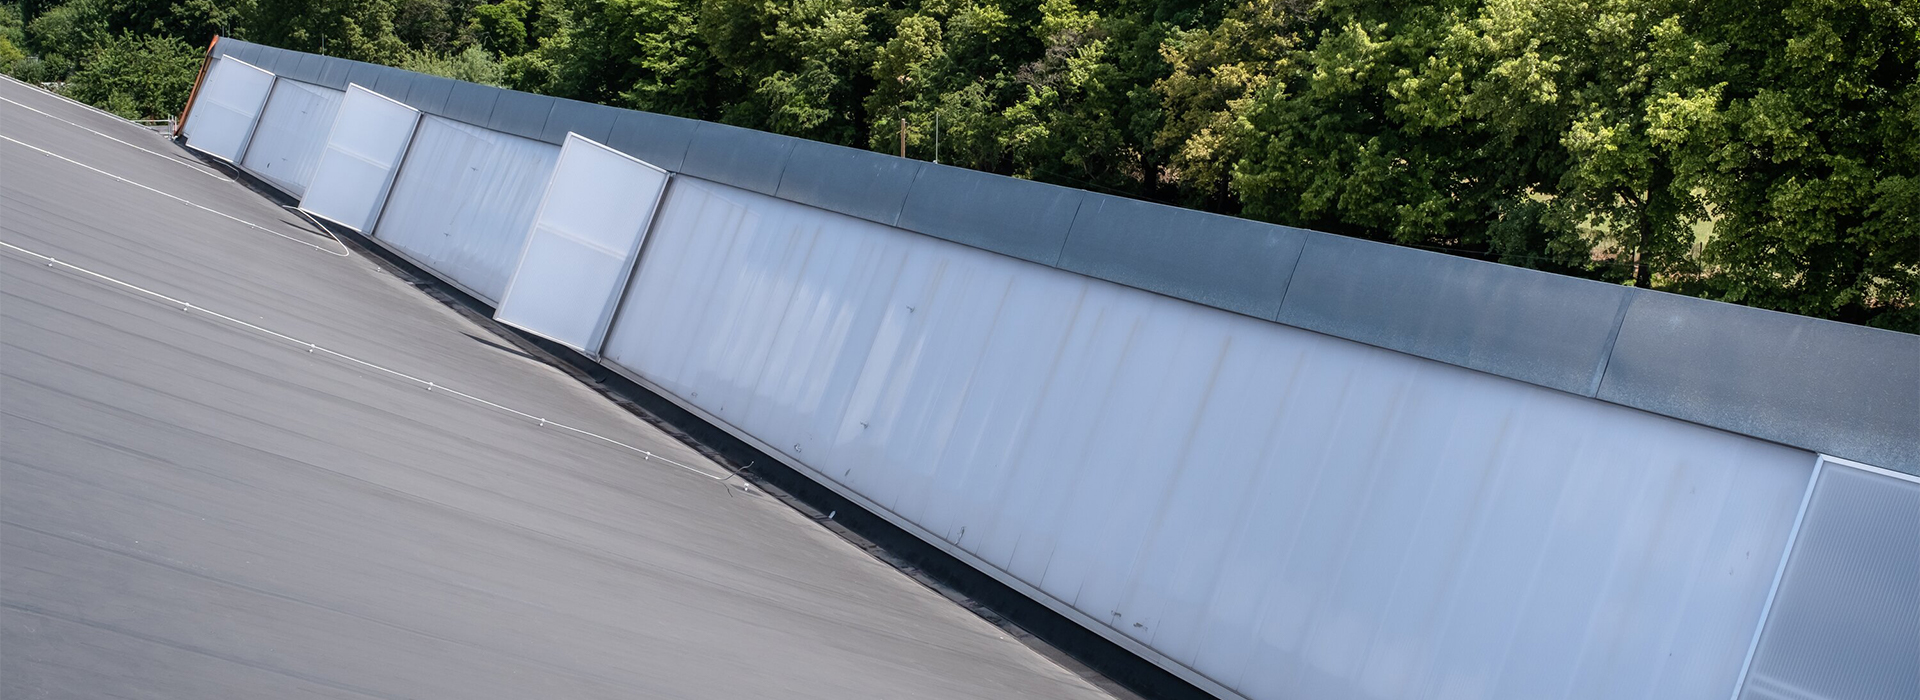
(1760, 627)
(611, 305)
(289, 186)
(379, 217)
(378, 206)
(253, 119)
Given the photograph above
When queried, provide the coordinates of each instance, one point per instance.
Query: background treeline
(1764, 152)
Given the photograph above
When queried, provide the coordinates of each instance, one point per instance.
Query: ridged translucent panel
(1280, 513)
(368, 136)
(292, 134)
(224, 110)
(589, 229)
(464, 201)
(1845, 624)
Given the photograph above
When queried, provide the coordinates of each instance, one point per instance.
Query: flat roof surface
(189, 509)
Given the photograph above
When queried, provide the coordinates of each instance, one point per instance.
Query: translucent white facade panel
(1263, 509)
(589, 228)
(368, 137)
(224, 110)
(464, 201)
(1846, 623)
(292, 134)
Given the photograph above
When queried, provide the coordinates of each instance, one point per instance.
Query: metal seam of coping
(1060, 256)
(785, 163)
(1613, 341)
(895, 223)
(1825, 416)
(1293, 273)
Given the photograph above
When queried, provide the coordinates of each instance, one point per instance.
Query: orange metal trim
(205, 62)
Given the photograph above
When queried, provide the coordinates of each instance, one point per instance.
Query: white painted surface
(292, 134)
(577, 258)
(1288, 514)
(464, 201)
(364, 145)
(223, 113)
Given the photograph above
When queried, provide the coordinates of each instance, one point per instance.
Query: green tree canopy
(1760, 152)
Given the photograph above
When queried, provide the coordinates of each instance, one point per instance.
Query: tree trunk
(1642, 269)
(1656, 210)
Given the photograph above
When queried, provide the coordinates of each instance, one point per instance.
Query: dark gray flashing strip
(1843, 390)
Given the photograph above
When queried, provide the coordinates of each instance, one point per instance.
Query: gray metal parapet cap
(1828, 387)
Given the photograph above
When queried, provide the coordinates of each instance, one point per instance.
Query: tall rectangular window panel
(581, 250)
(364, 146)
(464, 202)
(292, 134)
(1845, 623)
(228, 104)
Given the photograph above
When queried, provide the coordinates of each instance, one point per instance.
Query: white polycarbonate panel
(224, 110)
(368, 137)
(464, 202)
(589, 228)
(1846, 621)
(1274, 511)
(292, 134)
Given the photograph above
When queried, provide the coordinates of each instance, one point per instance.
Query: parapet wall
(1276, 462)
(1818, 385)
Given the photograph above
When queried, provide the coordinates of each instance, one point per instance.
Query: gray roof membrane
(744, 158)
(1844, 390)
(1220, 261)
(862, 184)
(1021, 218)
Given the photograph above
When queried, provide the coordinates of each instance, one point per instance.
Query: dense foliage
(1765, 152)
